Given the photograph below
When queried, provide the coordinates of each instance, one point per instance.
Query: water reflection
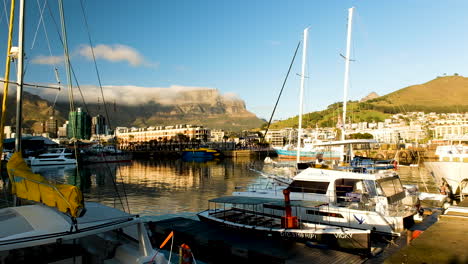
(157, 187)
(160, 187)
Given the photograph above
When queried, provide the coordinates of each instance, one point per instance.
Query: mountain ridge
(441, 95)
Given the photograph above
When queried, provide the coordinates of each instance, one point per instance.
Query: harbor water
(162, 188)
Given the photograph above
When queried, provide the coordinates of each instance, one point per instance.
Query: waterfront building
(79, 125)
(162, 133)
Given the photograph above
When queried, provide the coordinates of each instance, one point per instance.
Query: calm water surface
(159, 189)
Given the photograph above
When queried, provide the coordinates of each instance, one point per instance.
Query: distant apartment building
(8, 132)
(79, 125)
(98, 125)
(217, 135)
(274, 137)
(62, 131)
(50, 127)
(161, 133)
(450, 131)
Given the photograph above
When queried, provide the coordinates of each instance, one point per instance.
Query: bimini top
(321, 175)
(31, 186)
(245, 200)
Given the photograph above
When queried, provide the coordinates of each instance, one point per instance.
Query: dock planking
(218, 245)
(443, 242)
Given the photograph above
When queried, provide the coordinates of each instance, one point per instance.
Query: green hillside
(447, 94)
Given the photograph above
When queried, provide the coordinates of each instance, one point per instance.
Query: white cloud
(49, 60)
(114, 53)
(137, 95)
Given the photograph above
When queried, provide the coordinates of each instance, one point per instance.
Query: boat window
(343, 186)
(309, 187)
(391, 186)
(371, 187)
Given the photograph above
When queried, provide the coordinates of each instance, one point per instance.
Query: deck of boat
(217, 245)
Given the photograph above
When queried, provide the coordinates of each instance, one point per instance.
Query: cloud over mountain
(137, 95)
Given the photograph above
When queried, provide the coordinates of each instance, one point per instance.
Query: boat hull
(199, 154)
(307, 155)
(335, 237)
(107, 158)
(454, 173)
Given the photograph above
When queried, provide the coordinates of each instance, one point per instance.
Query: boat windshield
(390, 186)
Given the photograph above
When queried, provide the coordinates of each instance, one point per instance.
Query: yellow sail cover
(28, 185)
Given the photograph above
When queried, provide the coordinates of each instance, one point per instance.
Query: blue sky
(245, 47)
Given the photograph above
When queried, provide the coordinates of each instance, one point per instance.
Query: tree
(361, 136)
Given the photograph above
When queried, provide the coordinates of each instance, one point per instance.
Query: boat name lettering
(344, 236)
(299, 235)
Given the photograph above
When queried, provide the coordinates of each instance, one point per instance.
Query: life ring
(395, 165)
(186, 256)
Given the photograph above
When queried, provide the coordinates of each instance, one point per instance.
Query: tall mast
(7, 75)
(19, 79)
(301, 95)
(346, 76)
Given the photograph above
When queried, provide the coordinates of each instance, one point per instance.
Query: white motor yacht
(376, 202)
(55, 156)
(451, 168)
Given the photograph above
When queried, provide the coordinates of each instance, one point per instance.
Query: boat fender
(395, 165)
(416, 233)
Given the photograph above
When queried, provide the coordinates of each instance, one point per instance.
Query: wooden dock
(444, 242)
(216, 245)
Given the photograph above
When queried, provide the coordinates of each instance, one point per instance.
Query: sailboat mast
(19, 79)
(7, 75)
(301, 95)
(346, 76)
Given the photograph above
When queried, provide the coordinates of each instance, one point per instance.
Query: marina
(170, 193)
(152, 157)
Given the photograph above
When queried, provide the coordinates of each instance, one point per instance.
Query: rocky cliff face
(370, 96)
(192, 106)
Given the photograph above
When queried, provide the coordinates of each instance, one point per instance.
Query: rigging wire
(102, 94)
(94, 60)
(5, 12)
(71, 66)
(281, 92)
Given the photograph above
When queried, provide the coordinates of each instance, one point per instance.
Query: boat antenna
(301, 95)
(280, 93)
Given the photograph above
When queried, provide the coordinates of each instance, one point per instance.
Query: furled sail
(31, 186)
